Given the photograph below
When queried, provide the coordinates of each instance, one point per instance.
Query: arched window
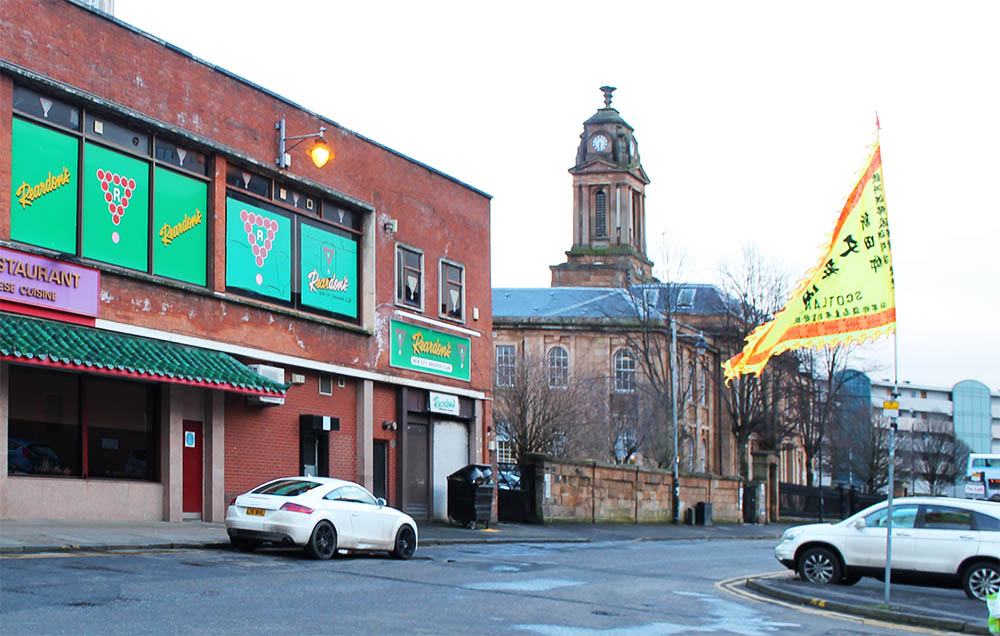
(601, 214)
(624, 371)
(558, 361)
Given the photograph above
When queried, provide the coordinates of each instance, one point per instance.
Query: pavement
(934, 608)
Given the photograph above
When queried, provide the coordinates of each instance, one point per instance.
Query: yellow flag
(848, 296)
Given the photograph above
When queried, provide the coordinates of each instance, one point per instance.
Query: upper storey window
(107, 190)
(452, 290)
(409, 277)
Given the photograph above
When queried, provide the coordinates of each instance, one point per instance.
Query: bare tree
(820, 397)
(938, 457)
(535, 416)
(757, 288)
(647, 334)
(871, 457)
(642, 421)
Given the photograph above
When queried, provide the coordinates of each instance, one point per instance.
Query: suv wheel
(981, 579)
(819, 565)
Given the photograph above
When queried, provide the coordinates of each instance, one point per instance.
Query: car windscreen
(287, 487)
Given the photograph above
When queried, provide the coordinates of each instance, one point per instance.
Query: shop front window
(60, 425)
(44, 431)
(119, 440)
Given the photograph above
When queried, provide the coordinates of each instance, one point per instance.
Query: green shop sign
(180, 227)
(329, 271)
(258, 250)
(115, 208)
(428, 351)
(43, 184)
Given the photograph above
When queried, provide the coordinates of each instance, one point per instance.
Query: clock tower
(609, 207)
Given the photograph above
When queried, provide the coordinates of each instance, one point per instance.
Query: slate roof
(67, 346)
(610, 303)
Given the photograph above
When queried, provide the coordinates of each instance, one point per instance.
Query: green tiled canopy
(34, 341)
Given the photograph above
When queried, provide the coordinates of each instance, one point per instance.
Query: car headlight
(790, 534)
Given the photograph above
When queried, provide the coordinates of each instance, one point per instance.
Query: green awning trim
(36, 341)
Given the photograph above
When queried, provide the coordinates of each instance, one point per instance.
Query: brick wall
(128, 70)
(262, 442)
(593, 492)
(126, 73)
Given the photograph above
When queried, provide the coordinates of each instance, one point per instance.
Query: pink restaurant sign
(47, 283)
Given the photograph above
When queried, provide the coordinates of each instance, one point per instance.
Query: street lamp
(320, 151)
(700, 347)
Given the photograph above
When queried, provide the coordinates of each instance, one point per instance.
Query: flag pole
(894, 421)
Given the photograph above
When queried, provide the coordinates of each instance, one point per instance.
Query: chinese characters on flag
(847, 297)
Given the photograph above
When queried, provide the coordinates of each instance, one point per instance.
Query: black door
(314, 447)
(379, 473)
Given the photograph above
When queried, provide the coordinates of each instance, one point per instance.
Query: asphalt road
(614, 588)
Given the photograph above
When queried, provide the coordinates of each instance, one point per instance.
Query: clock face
(599, 143)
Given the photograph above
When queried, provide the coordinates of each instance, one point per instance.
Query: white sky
(752, 119)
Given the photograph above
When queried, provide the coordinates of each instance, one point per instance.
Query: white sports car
(320, 514)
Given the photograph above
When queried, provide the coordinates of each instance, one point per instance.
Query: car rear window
(287, 487)
(986, 522)
(944, 518)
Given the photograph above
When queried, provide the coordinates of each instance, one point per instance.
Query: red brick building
(184, 315)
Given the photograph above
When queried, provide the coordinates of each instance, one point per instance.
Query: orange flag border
(858, 330)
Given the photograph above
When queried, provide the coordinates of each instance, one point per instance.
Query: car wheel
(244, 545)
(849, 579)
(323, 542)
(819, 565)
(406, 543)
(981, 579)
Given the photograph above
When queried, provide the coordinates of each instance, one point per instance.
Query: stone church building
(586, 323)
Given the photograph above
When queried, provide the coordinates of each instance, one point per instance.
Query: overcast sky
(752, 120)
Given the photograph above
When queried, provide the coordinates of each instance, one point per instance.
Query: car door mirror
(859, 524)
(380, 502)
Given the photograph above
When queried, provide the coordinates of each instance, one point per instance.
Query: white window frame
(505, 450)
(325, 378)
(558, 367)
(443, 296)
(399, 283)
(502, 370)
(624, 376)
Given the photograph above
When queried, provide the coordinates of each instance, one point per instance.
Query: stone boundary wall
(594, 492)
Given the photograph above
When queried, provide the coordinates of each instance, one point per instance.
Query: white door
(451, 452)
(947, 537)
(866, 547)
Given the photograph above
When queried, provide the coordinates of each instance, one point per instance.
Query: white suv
(938, 540)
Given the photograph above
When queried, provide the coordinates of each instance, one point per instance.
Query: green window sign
(115, 208)
(43, 184)
(329, 270)
(428, 351)
(180, 227)
(258, 250)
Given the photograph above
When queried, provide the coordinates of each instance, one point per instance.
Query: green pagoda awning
(72, 347)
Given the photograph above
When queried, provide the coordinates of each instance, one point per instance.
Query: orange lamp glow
(320, 153)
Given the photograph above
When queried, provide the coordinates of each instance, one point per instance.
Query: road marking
(731, 586)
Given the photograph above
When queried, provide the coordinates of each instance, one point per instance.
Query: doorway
(416, 501)
(314, 447)
(380, 475)
(451, 452)
(193, 468)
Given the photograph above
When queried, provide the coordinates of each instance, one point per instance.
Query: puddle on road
(721, 617)
(530, 585)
